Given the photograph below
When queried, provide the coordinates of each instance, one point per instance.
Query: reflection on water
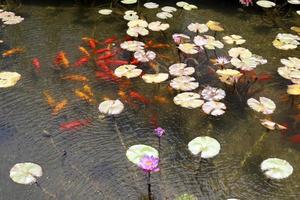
(90, 163)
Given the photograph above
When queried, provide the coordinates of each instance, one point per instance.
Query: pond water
(90, 162)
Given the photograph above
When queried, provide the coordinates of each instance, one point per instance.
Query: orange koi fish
(295, 139)
(106, 56)
(81, 61)
(74, 124)
(84, 96)
(264, 77)
(110, 40)
(88, 90)
(75, 77)
(61, 59)
(36, 64)
(151, 44)
(50, 100)
(116, 62)
(59, 106)
(12, 51)
(134, 62)
(98, 51)
(84, 51)
(126, 99)
(105, 68)
(139, 97)
(161, 99)
(91, 42)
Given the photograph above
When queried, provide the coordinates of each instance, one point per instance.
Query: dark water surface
(90, 163)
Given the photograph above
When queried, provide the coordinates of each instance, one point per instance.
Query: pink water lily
(149, 164)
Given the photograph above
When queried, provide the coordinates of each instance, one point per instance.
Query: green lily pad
(186, 197)
(136, 152)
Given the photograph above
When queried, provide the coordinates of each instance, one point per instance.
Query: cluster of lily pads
(9, 18)
(231, 69)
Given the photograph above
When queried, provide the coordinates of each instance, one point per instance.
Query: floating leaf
(136, 152)
(25, 173)
(207, 146)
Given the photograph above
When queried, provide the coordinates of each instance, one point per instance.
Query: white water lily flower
(105, 11)
(293, 89)
(181, 4)
(212, 43)
(151, 5)
(129, 1)
(190, 7)
(180, 38)
(239, 52)
(25, 173)
(229, 76)
(264, 105)
(198, 28)
(272, 125)
(144, 56)
(132, 45)
(9, 79)
(220, 61)
(275, 168)
(214, 108)
(111, 107)
(184, 83)
(180, 69)
(295, 2)
(136, 152)
(234, 39)
(128, 71)
(155, 78)
(285, 41)
(212, 94)
(164, 15)
(168, 9)
(208, 147)
(188, 48)
(188, 100)
(265, 4)
(158, 26)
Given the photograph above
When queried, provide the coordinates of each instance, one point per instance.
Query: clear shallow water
(95, 165)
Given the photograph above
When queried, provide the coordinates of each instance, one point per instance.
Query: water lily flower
(129, 1)
(214, 26)
(246, 2)
(264, 105)
(158, 26)
(180, 38)
(275, 168)
(105, 11)
(272, 125)
(229, 76)
(239, 52)
(180, 69)
(159, 131)
(285, 41)
(135, 153)
(111, 107)
(265, 4)
(132, 45)
(212, 94)
(184, 83)
(214, 108)
(144, 56)
(220, 61)
(295, 2)
(234, 39)
(9, 79)
(208, 147)
(151, 5)
(188, 100)
(149, 164)
(212, 43)
(155, 78)
(168, 9)
(200, 41)
(130, 15)
(293, 89)
(188, 48)
(25, 173)
(198, 28)
(164, 15)
(128, 71)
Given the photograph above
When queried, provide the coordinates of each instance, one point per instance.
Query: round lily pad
(25, 173)
(136, 152)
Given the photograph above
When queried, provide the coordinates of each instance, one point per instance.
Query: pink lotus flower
(149, 164)
(246, 2)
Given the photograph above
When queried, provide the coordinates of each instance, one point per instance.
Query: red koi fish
(134, 62)
(105, 77)
(61, 59)
(264, 77)
(36, 64)
(98, 51)
(91, 42)
(110, 40)
(127, 37)
(161, 99)
(81, 61)
(74, 124)
(137, 96)
(126, 99)
(116, 62)
(105, 68)
(106, 56)
(295, 139)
